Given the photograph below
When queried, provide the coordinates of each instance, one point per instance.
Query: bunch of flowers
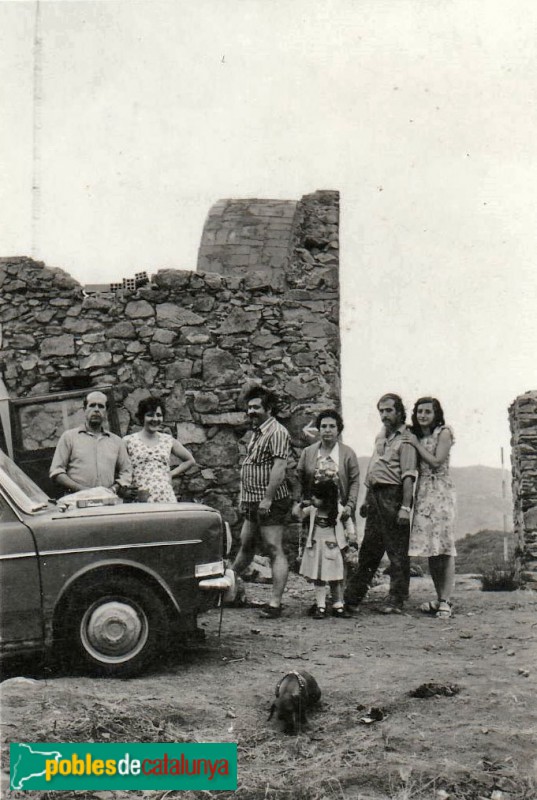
(326, 471)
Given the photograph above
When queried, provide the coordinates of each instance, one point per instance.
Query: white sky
(422, 113)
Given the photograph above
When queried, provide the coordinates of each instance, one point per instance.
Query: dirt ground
(479, 742)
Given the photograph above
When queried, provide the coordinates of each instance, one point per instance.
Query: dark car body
(105, 583)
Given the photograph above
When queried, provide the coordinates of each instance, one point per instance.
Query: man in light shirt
(91, 456)
(387, 508)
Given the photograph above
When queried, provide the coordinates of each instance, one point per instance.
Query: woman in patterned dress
(150, 450)
(433, 526)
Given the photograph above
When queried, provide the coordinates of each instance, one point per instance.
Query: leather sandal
(444, 610)
(430, 607)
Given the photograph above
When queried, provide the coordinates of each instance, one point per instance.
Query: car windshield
(22, 488)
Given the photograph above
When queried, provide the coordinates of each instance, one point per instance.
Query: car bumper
(225, 583)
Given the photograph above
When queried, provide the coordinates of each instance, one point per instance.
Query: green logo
(87, 765)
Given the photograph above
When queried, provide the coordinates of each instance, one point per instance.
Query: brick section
(240, 235)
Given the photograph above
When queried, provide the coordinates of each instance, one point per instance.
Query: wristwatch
(406, 508)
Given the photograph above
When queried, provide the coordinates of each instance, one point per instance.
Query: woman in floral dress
(150, 450)
(433, 526)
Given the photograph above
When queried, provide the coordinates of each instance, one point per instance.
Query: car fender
(108, 565)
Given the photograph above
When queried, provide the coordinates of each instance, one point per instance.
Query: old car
(104, 585)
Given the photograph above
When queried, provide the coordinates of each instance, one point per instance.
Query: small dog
(296, 692)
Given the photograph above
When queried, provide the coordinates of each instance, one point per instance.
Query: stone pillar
(523, 422)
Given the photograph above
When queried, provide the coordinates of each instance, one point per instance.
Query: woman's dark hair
(438, 414)
(397, 404)
(327, 491)
(329, 413)
(149, 404)
(269, 400)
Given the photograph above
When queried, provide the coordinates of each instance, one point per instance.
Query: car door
(37, 422)
(21, 619)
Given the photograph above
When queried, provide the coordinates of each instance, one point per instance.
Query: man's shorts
(278, 514)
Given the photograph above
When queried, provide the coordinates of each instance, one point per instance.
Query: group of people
(409, 506)
(135, 467)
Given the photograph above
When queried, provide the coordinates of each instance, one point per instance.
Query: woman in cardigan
(329, 454)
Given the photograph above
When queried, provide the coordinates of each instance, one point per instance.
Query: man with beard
(390, 477)
(264, 494)
(91, 456)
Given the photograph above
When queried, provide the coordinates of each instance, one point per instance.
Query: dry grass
(276, 767)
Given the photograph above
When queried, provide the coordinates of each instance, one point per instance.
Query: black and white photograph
(268, 399)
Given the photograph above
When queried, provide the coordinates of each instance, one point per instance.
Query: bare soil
(477, 740)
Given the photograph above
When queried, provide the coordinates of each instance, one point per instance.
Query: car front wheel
(116, 628)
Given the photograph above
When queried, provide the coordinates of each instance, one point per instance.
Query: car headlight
(206, 570)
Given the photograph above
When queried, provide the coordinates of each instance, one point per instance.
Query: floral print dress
(433, 525)
(151, 466)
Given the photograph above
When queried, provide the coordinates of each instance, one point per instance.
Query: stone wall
(197, 339)
(523, 422)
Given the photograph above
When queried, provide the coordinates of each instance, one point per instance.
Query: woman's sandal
(444, 610)
(430, 607)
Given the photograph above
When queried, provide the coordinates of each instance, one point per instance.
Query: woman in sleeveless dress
(433, 526)
(150, 450)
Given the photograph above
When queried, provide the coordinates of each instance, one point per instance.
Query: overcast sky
(422, 114)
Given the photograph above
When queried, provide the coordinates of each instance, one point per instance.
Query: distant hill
(480, 505)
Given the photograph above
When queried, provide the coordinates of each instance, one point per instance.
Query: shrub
(502, 578)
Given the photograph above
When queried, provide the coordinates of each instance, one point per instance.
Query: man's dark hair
(95, 391)
(397, 402)
(438, 415)
(329, 413)
(149, 404)
(269, 400)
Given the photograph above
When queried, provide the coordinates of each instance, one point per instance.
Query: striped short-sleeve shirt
(268, 442)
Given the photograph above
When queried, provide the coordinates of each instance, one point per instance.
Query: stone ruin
(263, 306)
(523, 422)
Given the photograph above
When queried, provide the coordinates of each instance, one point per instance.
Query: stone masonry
(523, 422)
(263, 307)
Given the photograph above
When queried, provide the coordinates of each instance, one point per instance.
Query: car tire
(115, 628)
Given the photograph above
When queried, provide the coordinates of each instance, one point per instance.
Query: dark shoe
(311, 610)
(392, 608)
(320, 613)
(341, 613)
(271, 612)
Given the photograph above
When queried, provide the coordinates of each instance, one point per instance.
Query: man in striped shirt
(264, 495)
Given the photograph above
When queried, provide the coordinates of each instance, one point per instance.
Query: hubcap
(114, 631)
